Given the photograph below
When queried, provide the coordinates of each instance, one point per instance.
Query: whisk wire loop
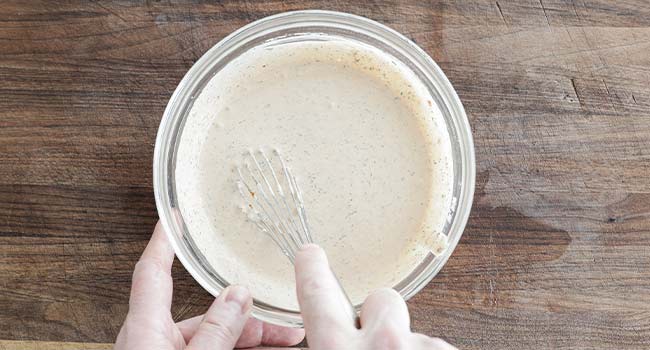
(275, 205)
(275, 212)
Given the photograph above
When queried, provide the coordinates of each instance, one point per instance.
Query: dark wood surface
(556, 254)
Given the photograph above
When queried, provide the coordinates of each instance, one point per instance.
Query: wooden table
(556, 254)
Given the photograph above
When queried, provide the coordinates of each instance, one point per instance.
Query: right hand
(385, 322)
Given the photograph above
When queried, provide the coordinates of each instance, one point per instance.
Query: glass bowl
(297, 26)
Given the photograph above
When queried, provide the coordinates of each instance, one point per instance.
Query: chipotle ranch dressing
(365, 140)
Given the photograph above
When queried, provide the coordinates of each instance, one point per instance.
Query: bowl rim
(172, 119)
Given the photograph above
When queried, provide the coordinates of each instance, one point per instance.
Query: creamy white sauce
(365, 140)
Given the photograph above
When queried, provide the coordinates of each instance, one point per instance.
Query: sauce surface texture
(365, 140)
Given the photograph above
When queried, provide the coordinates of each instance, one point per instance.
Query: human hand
(226, 324)
(384, 316)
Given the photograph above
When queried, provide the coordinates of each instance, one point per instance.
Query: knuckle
(148, 275)
(332, 343)
(149, 266)
(219, 331)
(139, 293)
(315, 288)
(389, 336)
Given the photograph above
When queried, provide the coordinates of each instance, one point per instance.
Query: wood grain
(556, 254)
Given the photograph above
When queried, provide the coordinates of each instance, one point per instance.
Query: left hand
(226, 324)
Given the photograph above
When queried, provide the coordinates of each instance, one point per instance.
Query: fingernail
(310, 246)
(240, 296)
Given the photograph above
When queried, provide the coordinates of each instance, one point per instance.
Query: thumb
(223, 323)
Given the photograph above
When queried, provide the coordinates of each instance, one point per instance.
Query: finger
(273, 335)
(321, 303)
(255, 333)
(385, 307)
(189, 326)
(151, 287)
(250, 336)
(223, 323)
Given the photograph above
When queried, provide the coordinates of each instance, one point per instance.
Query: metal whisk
(276, 207)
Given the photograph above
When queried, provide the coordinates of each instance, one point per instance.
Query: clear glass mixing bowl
(300, 26)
